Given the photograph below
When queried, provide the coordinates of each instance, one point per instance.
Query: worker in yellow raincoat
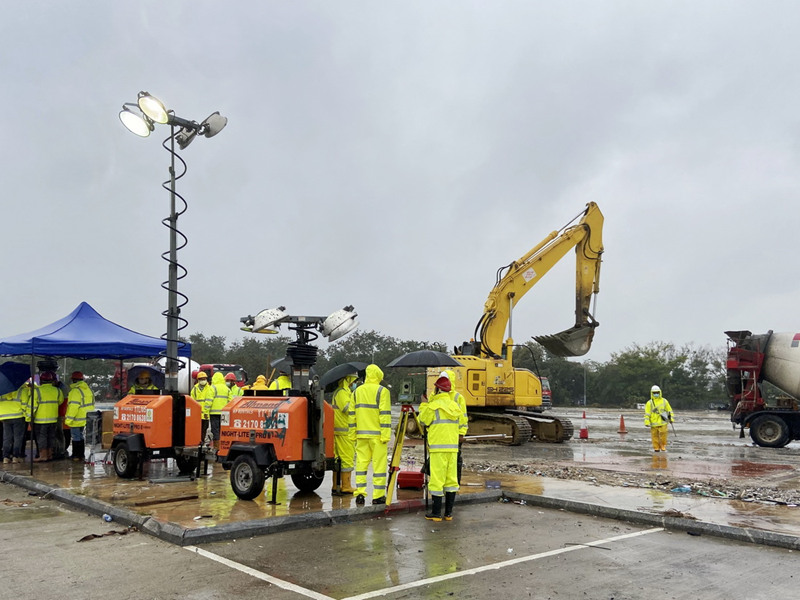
(442, 418)
(373, 432)
(344, 432)
(203, 394)
(657, 416)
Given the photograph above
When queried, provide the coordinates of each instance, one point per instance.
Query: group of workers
(39, 406)
(363, 428)
(213, 396)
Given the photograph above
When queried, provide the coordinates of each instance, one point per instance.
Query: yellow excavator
(501, 399)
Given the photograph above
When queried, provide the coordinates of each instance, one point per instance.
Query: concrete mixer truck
(752, 360)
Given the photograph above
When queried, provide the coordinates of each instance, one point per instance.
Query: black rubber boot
(78, 449)
(381, 500)
(449, 501)
(360, 500)
(436, 511)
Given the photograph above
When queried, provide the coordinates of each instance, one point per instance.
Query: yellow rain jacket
(344, 409)
(657, 411)
(373, 407)
(79, 402)
(46, 402)
(222, 394)
(459, 399)
(203, 395)
(10, 406)
(443, 418)
(283, 382)
(259, 384)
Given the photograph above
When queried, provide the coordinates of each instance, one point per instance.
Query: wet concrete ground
(704, 446)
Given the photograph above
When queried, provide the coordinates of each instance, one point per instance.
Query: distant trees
(690, 377)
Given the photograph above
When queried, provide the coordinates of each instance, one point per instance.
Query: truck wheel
(309, 481)
(186, 464)
(247, 478)
(769, 431)
(125, 462)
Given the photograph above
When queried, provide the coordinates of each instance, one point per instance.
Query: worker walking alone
(373, 432)
(657, 416)
(344, 434)
(442, 417)
(80, 401)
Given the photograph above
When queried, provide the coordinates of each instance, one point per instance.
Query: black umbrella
(425, 358)
(339, 371)
(13, 375)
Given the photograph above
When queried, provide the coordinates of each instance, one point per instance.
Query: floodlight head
(153, 108)
(340, 323)
(213, 124)
(267, 321)
(135, 121)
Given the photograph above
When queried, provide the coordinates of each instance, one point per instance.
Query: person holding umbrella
(442, 417)
(373, 432)
(344, 433)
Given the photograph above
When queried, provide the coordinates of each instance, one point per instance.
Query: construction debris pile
(715, 488)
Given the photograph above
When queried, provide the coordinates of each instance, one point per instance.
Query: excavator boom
(517, 278)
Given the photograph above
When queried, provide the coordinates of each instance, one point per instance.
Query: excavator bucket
(574, 341)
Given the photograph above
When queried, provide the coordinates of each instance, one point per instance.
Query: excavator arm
(516, 279)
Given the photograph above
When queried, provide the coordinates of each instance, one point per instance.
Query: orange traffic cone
(622, 424)
(584, 434)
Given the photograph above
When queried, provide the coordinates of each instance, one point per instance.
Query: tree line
(690, 377)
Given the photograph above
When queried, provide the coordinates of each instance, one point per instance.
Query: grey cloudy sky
(393, 155)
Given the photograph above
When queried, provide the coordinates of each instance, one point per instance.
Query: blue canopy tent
(85, 334)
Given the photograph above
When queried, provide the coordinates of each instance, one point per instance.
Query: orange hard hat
(77, 375)
(47, 377)
(230, 377)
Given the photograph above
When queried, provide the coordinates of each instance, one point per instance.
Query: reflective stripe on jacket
(653, 410)
(443, 418)
(203, 395)
(373, 407)
(344, 409)
(46, 403)
(222, 394)
(79, 402)
(10, 406)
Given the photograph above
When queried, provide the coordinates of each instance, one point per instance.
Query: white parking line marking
(496, 566)
(259, 575)
(407, 586)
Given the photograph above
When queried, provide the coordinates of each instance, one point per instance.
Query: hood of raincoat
(345, 381)
(218, 378)
(261, 379)
(374, 374)
(79, 385)
(445, 404)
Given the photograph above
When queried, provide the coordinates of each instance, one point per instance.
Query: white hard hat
(655, 388)
(444, 374)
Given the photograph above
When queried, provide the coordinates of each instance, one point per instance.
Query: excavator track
(547, 428)
(502, 428)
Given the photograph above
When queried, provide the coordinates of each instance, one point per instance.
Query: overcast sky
(394, 155)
